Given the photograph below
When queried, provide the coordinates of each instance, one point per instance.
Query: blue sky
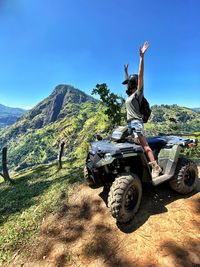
(85, 42)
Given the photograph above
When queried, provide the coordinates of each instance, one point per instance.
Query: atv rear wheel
(185, 178)
(124, 197)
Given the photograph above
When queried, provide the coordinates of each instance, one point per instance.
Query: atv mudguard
(167, 160)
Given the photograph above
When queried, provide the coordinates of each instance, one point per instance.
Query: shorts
(136, 126)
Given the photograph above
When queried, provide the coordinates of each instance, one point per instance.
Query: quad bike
(121, 163)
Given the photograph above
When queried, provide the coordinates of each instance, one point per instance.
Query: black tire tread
(116, 194)
(88, 179)
(177, 182)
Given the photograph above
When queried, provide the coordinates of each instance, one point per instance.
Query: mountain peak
(72, 93)
(61, 88)
(57, 105)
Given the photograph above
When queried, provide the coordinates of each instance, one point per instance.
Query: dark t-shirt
(132, 105)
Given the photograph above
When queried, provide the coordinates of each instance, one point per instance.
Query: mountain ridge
(196, 110)
(9, 115)
(10, 110)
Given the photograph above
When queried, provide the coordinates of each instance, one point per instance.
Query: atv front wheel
(88, 178)
(185, 178)
(124, 197)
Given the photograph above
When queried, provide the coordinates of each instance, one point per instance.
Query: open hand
(144, 48)
(126, 67)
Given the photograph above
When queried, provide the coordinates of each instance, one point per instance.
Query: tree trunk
(5, 174)
(60, 154)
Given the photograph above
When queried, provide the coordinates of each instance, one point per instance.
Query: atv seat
(156, 143)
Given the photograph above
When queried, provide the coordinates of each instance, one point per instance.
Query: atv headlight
(107, 157)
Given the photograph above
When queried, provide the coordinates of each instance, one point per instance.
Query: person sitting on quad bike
(134, 91)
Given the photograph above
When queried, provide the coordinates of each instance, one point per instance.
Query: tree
(5, 173)
(112, 102)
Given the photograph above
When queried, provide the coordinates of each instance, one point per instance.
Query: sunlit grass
(23, 205)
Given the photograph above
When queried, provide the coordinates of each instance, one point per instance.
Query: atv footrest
(160, 179)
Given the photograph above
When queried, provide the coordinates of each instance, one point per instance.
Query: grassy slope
(36, 192)
(41, 145)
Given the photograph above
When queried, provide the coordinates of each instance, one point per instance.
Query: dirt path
(165, 232)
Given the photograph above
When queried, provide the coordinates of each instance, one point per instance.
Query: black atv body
(121, 163)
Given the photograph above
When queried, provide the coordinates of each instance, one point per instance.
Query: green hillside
(169, 119)
(70, 115)
(67, 114)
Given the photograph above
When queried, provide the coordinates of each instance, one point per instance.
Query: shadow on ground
(187, 255)
(154, 201)
(62, 237)
(82, 233)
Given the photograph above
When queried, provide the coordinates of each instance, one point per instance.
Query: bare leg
(146, 147)
(153, 163)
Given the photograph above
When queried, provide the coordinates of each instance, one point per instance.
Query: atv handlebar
(190, 142)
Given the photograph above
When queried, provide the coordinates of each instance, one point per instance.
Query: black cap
(132, 77)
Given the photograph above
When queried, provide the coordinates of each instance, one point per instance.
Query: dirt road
(165, 232)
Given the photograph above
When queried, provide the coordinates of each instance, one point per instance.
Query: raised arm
(126, 71)
(141, 65)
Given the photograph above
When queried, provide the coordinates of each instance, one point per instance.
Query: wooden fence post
(60, 154)
(5, 173)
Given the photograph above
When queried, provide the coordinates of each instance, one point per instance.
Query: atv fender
(167, 159)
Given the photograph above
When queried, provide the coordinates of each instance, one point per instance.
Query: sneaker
(156, 170)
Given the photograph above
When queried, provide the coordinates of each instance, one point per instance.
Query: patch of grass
(88, 249)
(63, 259)
(35, 193)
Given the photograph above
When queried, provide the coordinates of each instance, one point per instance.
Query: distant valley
(196, 109)
(9, 115)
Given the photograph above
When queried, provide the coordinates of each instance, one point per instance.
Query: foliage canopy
(112, 102)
